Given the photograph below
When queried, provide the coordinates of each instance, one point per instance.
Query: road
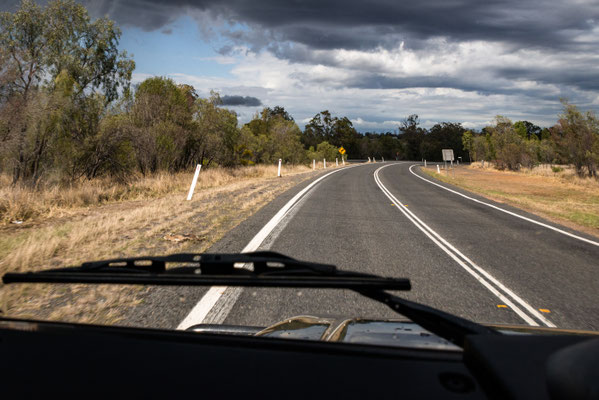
(462, 256)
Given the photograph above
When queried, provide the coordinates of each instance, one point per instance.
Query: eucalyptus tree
(43, 47)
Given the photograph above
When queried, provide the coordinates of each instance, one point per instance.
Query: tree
(467, 142)
(527, 130)
(324, 150)
(481, 148)
(576, 136)
(445, 135)
(336, 131)
(270, 136)
(411, 135)
(511, 150)
(161, 118)
(280, 111)
(50, 46)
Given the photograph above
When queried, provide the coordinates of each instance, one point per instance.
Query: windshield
(453, 144)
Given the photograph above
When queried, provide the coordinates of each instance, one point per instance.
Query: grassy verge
(22, 203)
(558, 196)
(158, 222)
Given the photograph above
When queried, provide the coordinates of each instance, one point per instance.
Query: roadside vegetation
(143, 225)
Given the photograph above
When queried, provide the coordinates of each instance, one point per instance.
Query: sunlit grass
(560, 196)
(22, 203)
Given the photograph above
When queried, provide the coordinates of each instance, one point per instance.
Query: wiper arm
(270, 269)
(445, 325)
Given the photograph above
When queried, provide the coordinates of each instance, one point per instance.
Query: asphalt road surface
(462, 256)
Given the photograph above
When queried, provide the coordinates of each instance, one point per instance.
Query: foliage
(576, 136)
(271, 135)
(58, 72)
(527, 130)
(324, 151)
(334, 130)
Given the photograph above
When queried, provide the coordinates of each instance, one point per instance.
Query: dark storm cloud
(247, 101)
(356, 24)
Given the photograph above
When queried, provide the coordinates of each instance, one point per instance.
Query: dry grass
(21, 203)
(559, 196)
(223, 198)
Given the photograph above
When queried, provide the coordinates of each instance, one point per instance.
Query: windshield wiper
(448, 326)
(270, 269)
(257, 269)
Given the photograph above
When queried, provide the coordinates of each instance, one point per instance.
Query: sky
(375, 62)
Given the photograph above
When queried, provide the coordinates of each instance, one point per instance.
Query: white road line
(454, 253)
(212, 296)
(506, 211)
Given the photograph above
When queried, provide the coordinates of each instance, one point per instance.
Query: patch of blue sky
(176, 48)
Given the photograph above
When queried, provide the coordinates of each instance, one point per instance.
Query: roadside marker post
(368, 159)
(336, 161)
(279, 171)
(343, 160)
(438, 170)
(193, 183)
(373, 159)
(313, 164)
(382, 159)
(324, 162)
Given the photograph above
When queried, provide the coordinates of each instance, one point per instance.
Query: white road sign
(447, 154)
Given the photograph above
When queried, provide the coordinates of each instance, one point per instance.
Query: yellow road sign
(341, 150)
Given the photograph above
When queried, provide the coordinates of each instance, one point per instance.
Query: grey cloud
(247, 101)
(355, 24)
(576, 76)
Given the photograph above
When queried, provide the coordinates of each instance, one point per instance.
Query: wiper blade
(270, 269)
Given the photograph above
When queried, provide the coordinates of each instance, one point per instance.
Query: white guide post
(313, 164)
(373, 159)
(343, 160)
(193, 183)
(279, 171)
(368, 159)
(382, 159)
(424, 163)
(336, 161)
(438, 170)
(324, 162)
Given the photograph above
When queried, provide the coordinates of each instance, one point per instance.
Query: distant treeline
(67, 112)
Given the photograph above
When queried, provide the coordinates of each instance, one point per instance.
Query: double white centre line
(517, 304)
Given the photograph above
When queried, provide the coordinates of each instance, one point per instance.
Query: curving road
(462, 256)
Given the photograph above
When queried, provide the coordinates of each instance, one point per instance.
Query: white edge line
(501, 286)
(493, 290)
(207, 302)
(506, 211)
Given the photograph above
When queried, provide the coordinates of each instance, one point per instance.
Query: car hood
(395, 333)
